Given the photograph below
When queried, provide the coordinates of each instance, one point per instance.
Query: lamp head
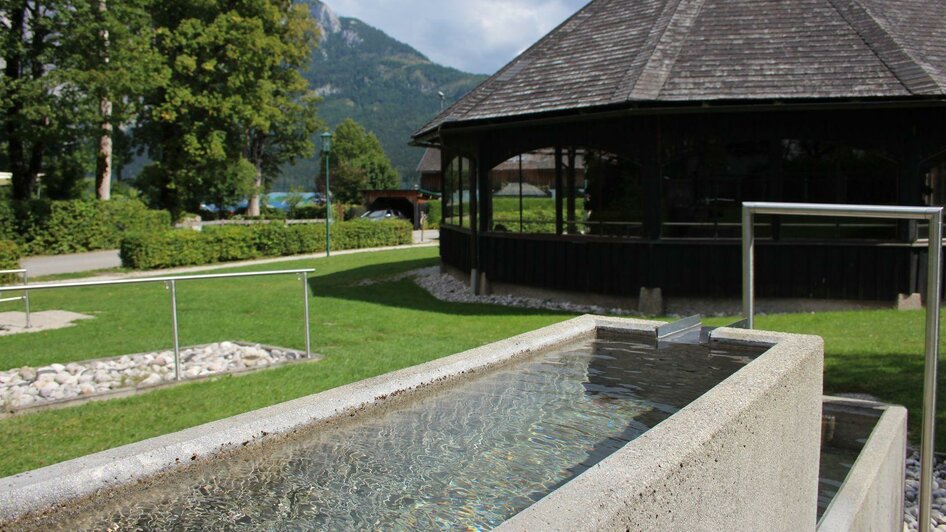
(326, 141)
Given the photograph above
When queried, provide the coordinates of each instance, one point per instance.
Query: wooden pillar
(559, 190)
(570, 215)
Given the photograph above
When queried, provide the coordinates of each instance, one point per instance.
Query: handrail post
(933, 276)
(172, 286)
(305, 302)
(748, 268)
(26, 299)
(933, 215)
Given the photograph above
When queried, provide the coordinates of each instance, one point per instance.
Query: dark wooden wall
(830, 270)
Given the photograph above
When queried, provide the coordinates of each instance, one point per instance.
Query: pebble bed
(27, 387)
(446, 287)
(912, 492)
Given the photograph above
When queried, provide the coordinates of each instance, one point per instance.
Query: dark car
(384, 214)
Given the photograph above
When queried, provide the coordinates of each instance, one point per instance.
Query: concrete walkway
(105, 260)
(76, 262)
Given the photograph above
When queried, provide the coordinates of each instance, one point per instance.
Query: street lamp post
(326, 154)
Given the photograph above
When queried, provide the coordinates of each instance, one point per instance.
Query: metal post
(934, 271)
(328, 209)
(305, 302)
(934, 215)
(171, 285)
(26, 299)
(748, 268)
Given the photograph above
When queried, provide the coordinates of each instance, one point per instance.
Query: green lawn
(363, 331)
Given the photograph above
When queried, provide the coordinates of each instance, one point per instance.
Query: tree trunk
(22, 181)
(103, 166)
(253, 209)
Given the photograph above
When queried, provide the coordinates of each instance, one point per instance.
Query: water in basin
(468, 455)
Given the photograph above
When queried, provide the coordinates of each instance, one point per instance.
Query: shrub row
(184, 247)
(57, 227)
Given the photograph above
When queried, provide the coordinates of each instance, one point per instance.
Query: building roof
(615, 53)
(430, 162)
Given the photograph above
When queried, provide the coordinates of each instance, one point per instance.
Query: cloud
(472, 35)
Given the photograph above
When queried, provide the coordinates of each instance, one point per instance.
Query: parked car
(384, 214)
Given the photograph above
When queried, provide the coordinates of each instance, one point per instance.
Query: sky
(477, 36)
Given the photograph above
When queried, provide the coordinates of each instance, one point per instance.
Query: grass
(363, 331)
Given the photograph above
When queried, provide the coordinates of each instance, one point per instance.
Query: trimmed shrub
(356, 234)
(184, 247)
(433, 214)
(57, 227)
(167, 249)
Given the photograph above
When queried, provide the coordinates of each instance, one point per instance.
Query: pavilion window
(457, 188)
(825, 172)
(523, 193)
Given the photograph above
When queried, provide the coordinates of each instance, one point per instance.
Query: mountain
(383, 84)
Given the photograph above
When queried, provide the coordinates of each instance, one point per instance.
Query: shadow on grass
(895, 378)
(393, 293)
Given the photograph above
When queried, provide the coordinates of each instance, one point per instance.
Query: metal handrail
(933, 215)
(170, 282)
(25, 298)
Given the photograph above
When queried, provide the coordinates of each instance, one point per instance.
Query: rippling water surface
(468, 456)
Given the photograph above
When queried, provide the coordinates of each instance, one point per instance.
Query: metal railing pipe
(172, 287)
(933, 215)
(933, 276)
(305, 303)
(143, 280)
(170, 283)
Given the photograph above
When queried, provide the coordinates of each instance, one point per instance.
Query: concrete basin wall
(871, 498)
(744, 456)
(59, 484)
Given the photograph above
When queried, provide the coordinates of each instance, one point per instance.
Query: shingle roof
(615, 52)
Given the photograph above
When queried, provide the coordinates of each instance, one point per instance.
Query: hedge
(9, 255)
(57, 227)
(185, 247)
(433, 214)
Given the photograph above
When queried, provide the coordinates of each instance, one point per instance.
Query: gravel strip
(912, 492)
(446, 287)
(28, 386)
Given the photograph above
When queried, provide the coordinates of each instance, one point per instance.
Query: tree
(73, 70)
(233, 102)
(29, 46)
(360, 162)
(115, 64)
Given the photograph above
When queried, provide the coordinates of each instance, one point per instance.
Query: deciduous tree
(234, 100)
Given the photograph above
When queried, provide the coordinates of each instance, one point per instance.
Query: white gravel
(29, 386)
(445, 287)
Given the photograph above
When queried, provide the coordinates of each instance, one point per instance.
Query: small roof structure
(430, 162)
(624, 53)
(528, 190)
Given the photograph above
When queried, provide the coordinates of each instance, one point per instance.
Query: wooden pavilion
(663, 116)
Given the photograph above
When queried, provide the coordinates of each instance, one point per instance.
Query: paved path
(76, 262)
(104, 260)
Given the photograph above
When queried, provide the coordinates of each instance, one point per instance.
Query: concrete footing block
(651, 302)
(909, 301)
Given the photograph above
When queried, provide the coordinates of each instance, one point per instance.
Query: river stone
(151, 380)
(27, 373)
